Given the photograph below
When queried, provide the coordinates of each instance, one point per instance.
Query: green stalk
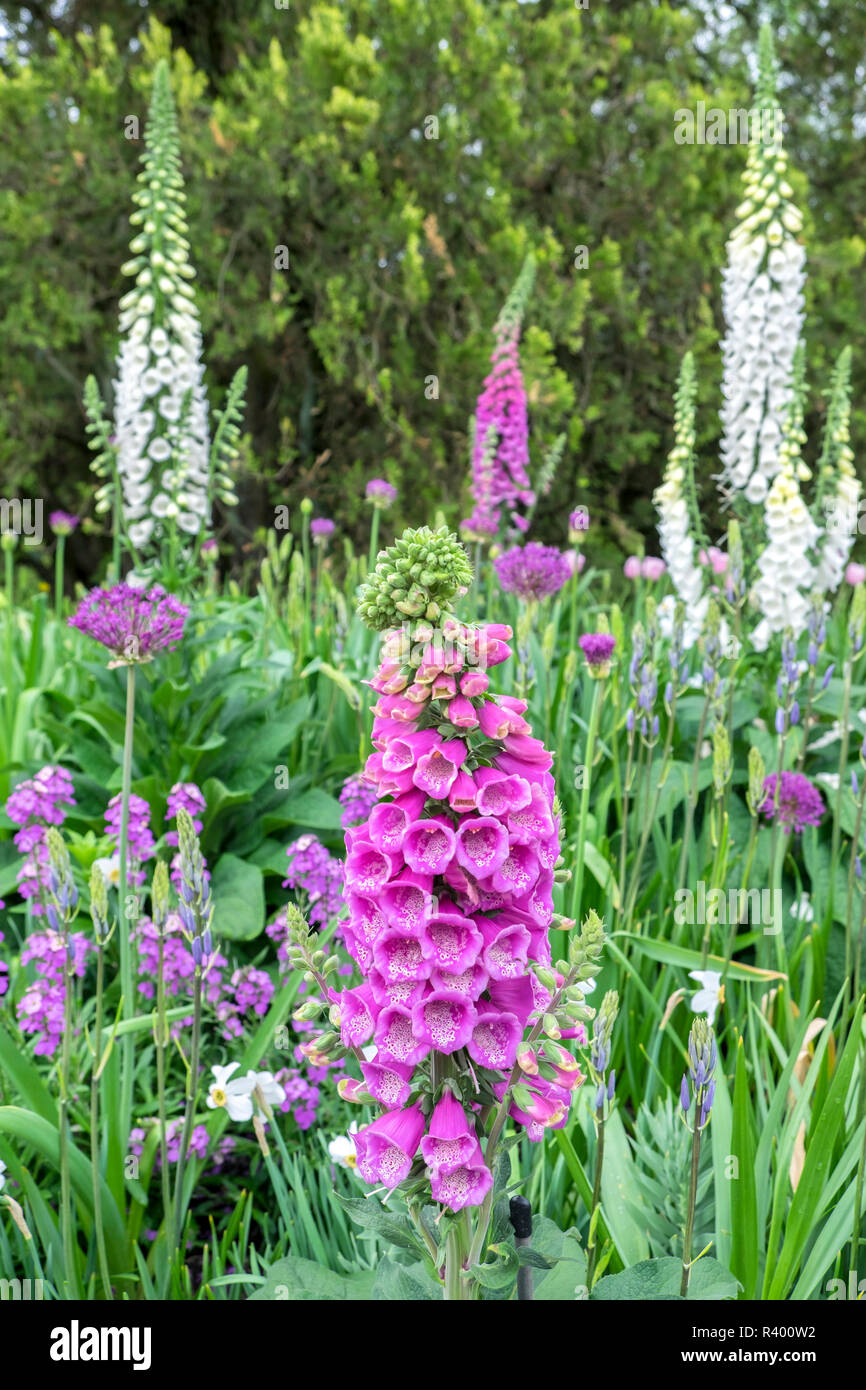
(750, 854)
(596, 1197)
(693, 1192)
(595, 711)
(191, 1093)
(70, 1263)
(59, 555)
(160, 1082)
(94, 1127)
(861, 1166)
(692, 799)
(849, 903)
(9, 574)
(837, 817)
(127, 1045)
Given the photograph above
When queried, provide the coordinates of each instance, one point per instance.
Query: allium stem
(692, 799)
(596, 1200)
(160, 1080)
(58, 576)
(127, 1046)
(95, 1076)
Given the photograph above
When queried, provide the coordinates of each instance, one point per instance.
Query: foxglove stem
(127, 1046)
(95, 1076)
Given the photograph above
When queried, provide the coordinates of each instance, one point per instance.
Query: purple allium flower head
(532, 571)
(321, 527)
(380, 492)
(134, 624)
(631, 568)
(62, 523)
(578, 520)
(598, 648)
(800, 803)
(652, 567)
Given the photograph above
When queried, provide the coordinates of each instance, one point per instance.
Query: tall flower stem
(592, 732)
(842, 777)
(94, 1126)
(127, 1047)
(693, 1194)
(861, 1166)
(191, 1093)
(591, 1248)
(692, 799)
(161, 1039)
(59, 555)
(70, 1262)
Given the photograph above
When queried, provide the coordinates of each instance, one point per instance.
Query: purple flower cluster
(598, 648)
(357, 798)
(140, 844)
(198, 1143)
(321, 527)
(500, 458)
(253, 991)
(319, 875)
(62, 523)
(33, 806)
(178, 968)
(188, 796)
(41, 1007)
(800, 803)
(133, 624)
(380, 493)
(532, 571)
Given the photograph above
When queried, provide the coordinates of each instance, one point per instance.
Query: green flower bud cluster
(99, 905)
(755, 795)
(417, 577)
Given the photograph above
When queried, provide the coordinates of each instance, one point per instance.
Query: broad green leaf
(653, 1280)
(239, 899)
(292, 1280)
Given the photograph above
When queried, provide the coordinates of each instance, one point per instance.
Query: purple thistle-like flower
(321, 527)
(800, 803)
(532, 571)
(134, 624)
(598, 648)
(380, 492)
(62, 523)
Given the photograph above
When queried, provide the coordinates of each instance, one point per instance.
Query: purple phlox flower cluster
(321, 527)
(532, 571)
(198, 1143)
(358, 797)
(188, 796)
(303, 1094)
(4, 968)
(34, 805)
(380, 492)
(178, 967)
(134, 624)
(140, 843)
(319, 875)
(788, 708)
(253, 991)
(41, 1007)
(63, 523)
(800, 803)
(597, 647)
(500, 456)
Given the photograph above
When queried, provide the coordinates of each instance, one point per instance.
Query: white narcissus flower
(342, 1149)
(110, 869)
(270, 1090)
(706, 1001)
(2, 1174)
(802, 910)
(234, 1096)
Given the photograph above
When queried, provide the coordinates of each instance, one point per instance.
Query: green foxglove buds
(417, 577)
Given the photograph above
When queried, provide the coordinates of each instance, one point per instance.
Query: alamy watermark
(737, 126)
(753, 906)
(22, 517)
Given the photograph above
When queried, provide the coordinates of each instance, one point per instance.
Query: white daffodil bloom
(235, 1096)
(706, 1001)
(342, 1149)
(270, 1090)
(110, 869)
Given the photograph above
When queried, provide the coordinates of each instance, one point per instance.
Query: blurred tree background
(406, 156)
